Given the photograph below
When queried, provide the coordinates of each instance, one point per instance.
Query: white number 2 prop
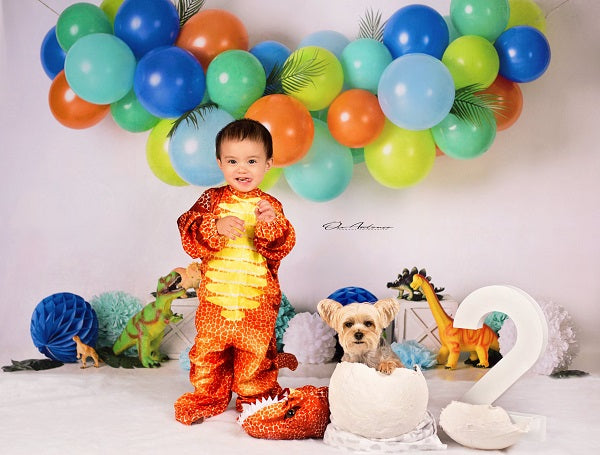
(532, 337)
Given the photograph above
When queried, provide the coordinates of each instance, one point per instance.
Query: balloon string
(40, 1)
(556, 7)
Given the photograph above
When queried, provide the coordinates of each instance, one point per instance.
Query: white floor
(68, 410)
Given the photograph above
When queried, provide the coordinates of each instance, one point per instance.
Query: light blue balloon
(416, 91)
(271, 53)
(99, 68)
(325, 171)
(363, 62)
(331, 40)
(192, 150)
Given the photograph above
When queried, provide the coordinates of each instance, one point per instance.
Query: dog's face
(359, 325)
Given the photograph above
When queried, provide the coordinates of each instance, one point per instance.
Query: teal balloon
(100, 68)
(79, 20)
(452, 32)
(325, 171)
(464, 140)
(486, 18)
(235, 79)
(358, 155)
(333, 41)
(363, 61)
(130, 115)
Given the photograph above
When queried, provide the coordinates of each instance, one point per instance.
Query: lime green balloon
(399, 158)
(110, 8)
(323, 86)
(485, 18)
(80, 19)
(526, 12)
(271, 178)
(130, 115)
(471, 60)
(157, 154)
(463, 140)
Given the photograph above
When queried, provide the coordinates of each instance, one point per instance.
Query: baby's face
(243, 163)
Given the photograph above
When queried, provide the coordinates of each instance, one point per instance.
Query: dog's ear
(387, 309)
(327, 309)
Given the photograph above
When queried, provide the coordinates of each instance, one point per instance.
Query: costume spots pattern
(303, 414)
(239, 296)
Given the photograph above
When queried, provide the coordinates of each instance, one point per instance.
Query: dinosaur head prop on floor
(302, 414)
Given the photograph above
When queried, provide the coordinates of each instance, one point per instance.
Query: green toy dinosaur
(146, 328)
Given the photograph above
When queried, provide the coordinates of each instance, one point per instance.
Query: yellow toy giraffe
(456, 340)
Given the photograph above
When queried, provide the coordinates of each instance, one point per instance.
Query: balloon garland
(390, 95)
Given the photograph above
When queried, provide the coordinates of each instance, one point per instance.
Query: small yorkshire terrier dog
(359, 327)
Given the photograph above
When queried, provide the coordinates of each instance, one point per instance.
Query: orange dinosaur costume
(239, 297)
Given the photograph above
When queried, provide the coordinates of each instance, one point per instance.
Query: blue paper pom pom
(412, 353)
(286, 312)
(352, 294)
(58, 318)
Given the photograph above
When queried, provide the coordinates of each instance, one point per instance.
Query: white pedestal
(180, 336)
(415, 321)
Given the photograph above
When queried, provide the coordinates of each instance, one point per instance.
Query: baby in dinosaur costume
(240, 234)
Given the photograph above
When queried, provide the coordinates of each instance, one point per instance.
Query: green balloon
(471, 59)
(486, 18)
(157, 154)
(130, 115)
(462, 139)
(80, 19)
(271, 178)
(235, 79)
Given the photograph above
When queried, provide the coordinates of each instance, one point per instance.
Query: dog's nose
(358, 335)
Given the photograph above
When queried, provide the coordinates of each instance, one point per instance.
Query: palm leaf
(193, 116)
(295, 74)
(187, 8)
(370, 26)
(474, 107)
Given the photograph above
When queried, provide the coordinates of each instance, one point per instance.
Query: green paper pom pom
(495, 320)
(286, 312)
(114, 310)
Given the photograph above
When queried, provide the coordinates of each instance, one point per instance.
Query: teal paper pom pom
(114, 310)
(412, 353)
(184, 359)
(495, 320)
(286, 312)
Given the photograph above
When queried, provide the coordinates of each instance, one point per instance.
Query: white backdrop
(83, 213)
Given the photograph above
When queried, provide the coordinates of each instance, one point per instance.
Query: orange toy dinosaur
(303, 414)
(456, 340)
(84, 352)
(235, 348)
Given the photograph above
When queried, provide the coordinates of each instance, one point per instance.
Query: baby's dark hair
(245, 128)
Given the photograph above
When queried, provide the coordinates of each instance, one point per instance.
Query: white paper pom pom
(309, 339)
(562, 342)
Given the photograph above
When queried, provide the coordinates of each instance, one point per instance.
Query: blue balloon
(169, 81)
(192, 149)
(52, 55)
(325, 171)
(145, 25)
(363, 61)
(416, 91)
(331, 40)
(99, 68)
(271, 53)
(416, 29)
(524, 53)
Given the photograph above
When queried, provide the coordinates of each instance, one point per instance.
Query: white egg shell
(480, 426)
(374, 405)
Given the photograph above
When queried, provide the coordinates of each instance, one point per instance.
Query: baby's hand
(230, 226)
(264, 211)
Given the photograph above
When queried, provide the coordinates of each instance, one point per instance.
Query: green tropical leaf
(187, 8)
(296, 73)
(192, 116)
(370, 26)
(470, 105)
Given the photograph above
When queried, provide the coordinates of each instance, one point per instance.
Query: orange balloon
(355, 118)
(69, 109)
(438, 152)
(289, 123)
(511, 101)
(209, 32)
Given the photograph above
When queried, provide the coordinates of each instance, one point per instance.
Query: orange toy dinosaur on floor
(456, 340)
(239, 296)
